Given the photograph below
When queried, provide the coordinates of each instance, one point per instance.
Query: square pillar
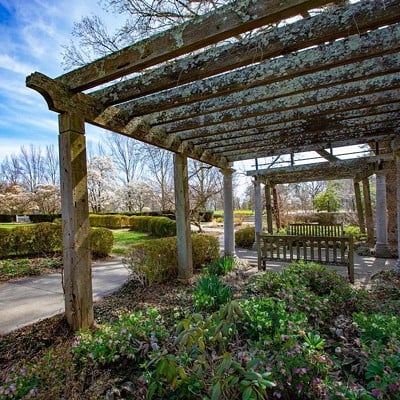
(75, 222)
(229, 234)
(382, 247)
(359, 207)
(369, 218)
(257, 209)
(183, 233)
(268, 207)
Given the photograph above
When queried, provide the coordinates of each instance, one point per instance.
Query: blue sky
(32, 33)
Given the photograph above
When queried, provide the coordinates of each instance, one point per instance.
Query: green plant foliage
(352, 230)
(156, 261)
(328, 200)
(110, 221)
(245, 237)
(210, 293)
(220, 267)
(6, 242)
(101, 241)
(133, 337)
(155, 226)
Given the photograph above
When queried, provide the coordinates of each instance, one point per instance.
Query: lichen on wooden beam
(253, 101)
(325, 56)
(342, 21)
(301, 127)
(313, 115)
(228, 21)
(345, 137)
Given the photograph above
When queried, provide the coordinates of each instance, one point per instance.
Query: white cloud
(9, 63)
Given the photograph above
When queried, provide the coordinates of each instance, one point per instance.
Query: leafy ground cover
(304, 333)
(18, 268)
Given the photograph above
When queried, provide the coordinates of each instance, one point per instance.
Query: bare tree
(160, 165)
(11, 170)
(91, 38)
(51, 166)
(32, 167)
(127, 154)
(205, 182)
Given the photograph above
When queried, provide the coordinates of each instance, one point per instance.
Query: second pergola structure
(328, 79)
(356, 169)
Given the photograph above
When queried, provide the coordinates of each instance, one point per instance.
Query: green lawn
(10, 225)
(124, 238)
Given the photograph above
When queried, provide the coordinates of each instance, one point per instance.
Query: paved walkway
(28, 300)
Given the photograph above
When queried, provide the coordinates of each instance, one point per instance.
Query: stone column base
(382, 250)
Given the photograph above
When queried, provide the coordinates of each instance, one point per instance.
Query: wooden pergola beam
(323, 57)
(342, 21)
(341, 120)
(59, 99)
(371, 104)
(302, 135)
(339, 169)
(343, 138)
(254, 101)
(211, 28)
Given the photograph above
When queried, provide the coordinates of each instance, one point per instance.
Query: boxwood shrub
(245, 237)
(110, 221)
(46, 238)
(155, 226)
(156, 261)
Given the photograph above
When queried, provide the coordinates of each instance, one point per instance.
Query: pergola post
(184, 239)
(257, 209)
(268, 206)
(381, 247)
(75, 222)
(369, 218)
(229, 236)
(398, 208)
(276, 208)
(359, 207)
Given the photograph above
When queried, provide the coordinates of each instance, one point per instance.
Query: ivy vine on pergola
(329, 79)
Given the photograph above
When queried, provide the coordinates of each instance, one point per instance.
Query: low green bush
(210, 293)
(37, 218)
(245, 237)
(109, 221)
(156, 261)
(221, 267)
(5, 242)
(155, 226)
(46, 238)
(101, 241)
(352, 230)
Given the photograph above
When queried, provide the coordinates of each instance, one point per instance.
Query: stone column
(369, 218)
(75, 222)
(182, 210)
(359, 207)
(268, 206)
(229, 235)
(257, 208)
(276, 208)
(398, 209)
(381, 248)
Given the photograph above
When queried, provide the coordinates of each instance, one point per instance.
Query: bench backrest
(315, 229)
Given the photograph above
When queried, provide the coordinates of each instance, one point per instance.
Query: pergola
(327, 79)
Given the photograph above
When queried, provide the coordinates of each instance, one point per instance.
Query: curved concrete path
(28, 300)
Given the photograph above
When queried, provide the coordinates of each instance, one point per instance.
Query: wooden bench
(315, 229)
(330, 250)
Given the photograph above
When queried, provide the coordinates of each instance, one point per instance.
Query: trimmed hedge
(245, 237)
(6, 218)
(37, 218)
(46, 238)
(155, 226)
(156, 261)
(110, 221)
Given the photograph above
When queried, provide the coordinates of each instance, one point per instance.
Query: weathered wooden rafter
(60, 100)
(305, 131)
(339, 169)
(342, 21)
(297, 117)
(304, 87)
(327, 155)
(256, 99)
(312, 141)
(211, 28)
